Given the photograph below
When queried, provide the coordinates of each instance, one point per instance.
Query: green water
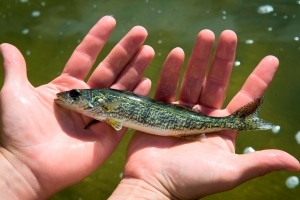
(48, 37)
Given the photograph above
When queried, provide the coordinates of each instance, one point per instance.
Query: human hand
(168, 167)
(47, 146)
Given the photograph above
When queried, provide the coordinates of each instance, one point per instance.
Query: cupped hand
(184, 169)
(50, 142)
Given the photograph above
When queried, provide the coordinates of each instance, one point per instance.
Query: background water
(48, 31)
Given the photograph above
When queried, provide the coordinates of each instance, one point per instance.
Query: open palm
(51, 141)
(183, 169)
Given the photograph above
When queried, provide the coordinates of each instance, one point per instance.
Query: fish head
(77, 99)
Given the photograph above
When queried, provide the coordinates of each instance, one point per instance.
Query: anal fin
(193, 137)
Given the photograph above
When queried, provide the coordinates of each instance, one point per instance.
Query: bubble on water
(298, 2)
(25, 31)
(121, 175)
(159, 41)
(95, 6)
(270, 29)
(285, 17)
(43, 3)
(159, 11)
(224, 17)
(297, 136)
(159, 53)
(147, 1)
(292, 182)
(249, 41)
(296, 38)
(28, 52)
(35, 13)
(276, 129)
(248, 150)
(23, 1)
(265, 9)
(237, 63)
(224, 12)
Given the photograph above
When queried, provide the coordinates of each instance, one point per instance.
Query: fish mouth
(59, 100)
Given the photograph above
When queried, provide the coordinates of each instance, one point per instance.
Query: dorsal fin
(251, 108)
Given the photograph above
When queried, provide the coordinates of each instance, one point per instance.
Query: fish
(123, 108)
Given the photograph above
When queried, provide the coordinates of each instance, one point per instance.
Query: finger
(214, 90)
(109, 69)
(143, 87)
(131, 75)
(14, 67)
(84, 56)
(256, 84)
(169, 76)
(196, 69)
(259, 163)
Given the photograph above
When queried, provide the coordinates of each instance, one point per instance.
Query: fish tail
(247, 117)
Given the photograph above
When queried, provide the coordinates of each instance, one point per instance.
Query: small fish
(123, 108)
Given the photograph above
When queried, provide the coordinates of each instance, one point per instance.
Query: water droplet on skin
(292, 182)
(35, 13)
(265, 9)
(276, 129)
(248, 150)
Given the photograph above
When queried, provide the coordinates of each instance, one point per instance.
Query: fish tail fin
(247, 117)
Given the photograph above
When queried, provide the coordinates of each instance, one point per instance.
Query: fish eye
(74, 94)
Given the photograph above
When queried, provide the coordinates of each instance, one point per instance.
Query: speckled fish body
(122, 108)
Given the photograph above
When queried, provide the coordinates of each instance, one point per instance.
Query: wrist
(16, 180)
(132, 188)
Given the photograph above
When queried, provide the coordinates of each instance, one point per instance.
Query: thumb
(259, 163)
(14, 66)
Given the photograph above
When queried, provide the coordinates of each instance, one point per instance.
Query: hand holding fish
(172, 168)
(45, 149)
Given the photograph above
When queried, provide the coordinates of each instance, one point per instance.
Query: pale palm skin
(44, 148)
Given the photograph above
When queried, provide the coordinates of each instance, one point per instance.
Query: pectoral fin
(107, 107)
(115, 124)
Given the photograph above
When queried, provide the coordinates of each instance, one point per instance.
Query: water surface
(48, 31)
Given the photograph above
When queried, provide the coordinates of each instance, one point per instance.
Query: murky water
(47, 31)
